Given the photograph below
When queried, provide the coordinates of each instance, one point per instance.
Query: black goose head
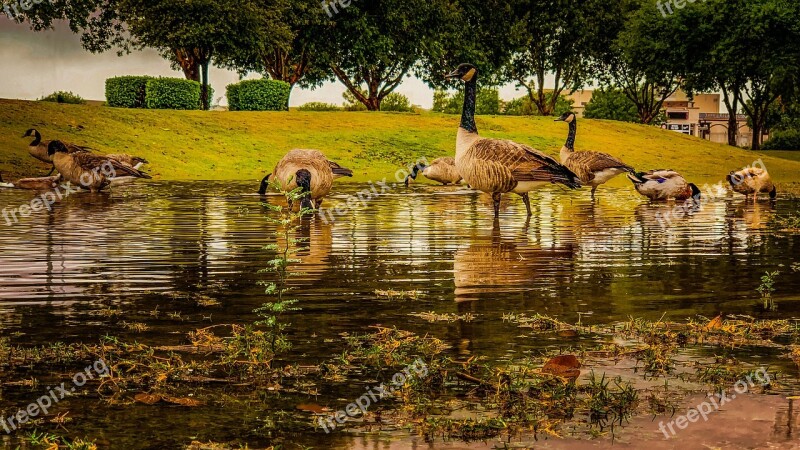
(37, 137)
(303, 180)
(413, 175)
(568, 117)
(695, 191)
(56, 146)
(262, 190)
(772, 194)
(466, 72)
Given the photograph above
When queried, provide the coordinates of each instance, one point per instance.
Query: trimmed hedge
(259, 95)
(172, 93)
(127, 91)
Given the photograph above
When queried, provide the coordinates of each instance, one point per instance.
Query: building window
(677, 115)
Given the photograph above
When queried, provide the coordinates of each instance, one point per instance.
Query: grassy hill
(197, 145)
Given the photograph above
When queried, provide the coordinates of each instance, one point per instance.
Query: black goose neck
(37, 138)
(573, 129)
(468, 112)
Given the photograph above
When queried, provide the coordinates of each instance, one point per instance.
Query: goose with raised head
(91, 172)
(442, 170)
(664, 184)
(309, 170)
(593, 168)
(33, 184)
(499, 166)
(38, 148)
(752, 181)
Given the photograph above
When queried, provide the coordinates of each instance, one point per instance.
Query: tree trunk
(733, 107)
(204, 100)
(756, 141)
(189, 64)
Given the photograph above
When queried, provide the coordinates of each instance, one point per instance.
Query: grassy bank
(197, 145)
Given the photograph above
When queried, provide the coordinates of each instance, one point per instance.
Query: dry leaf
(183, 401)
(566, 366)
(311, 407)
(714, 324)
(147, 399)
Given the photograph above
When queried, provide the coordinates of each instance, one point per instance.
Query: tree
(298, 53)
(611, 104)
(552, 38)
(377, 44)
(637, 61)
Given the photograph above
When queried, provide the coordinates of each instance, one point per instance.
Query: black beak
(453, 74)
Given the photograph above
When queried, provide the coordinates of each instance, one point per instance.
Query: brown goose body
(38, 148)
(593, 168)
(322, 171)
(752, 181)
(663, 184)
(133, 161)
(499, 166)
(91, 172)
(33, 184)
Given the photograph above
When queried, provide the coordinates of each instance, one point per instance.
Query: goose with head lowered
(38, 148)
(91, 172)
(499, 166)
(33, 184)
(752, 181)
(442, 170)
(664, 184)
(309, 170)
(593, 168)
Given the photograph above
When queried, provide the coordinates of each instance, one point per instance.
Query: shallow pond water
(167, 246)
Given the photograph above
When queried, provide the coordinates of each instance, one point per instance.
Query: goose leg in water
(317, 203)
(51, 171)
(594, 188)
(496, 198)
(527, 201)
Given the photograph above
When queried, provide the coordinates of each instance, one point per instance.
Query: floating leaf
(147, 399)
(183, 401)
(714, 324)
(311, 407)
(566, 366)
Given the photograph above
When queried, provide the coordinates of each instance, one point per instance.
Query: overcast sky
(35, 64)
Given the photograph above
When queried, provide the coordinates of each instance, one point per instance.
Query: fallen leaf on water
(715, 323)
(147, 399)
(566, 366)
(311, 407)
(567, 333)
(183, 401)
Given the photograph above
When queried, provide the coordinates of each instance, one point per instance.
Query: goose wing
(657, 175)
(127, 159)
(590, 163)
(339, 170)
(90, 162)
(525, 163)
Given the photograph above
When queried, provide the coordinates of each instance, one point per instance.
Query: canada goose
(308, 169)
(498, 166)
(752, 180)
(133, 161)
(38, 148)
(442, 170)
(34, 184)
(89, 171)
(593, 168)
(664, 184)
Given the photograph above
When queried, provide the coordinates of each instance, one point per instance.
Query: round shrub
(259, 95)
(783, 140)
(396, 102)
(64, 97)
(172, 93)
(127, 91)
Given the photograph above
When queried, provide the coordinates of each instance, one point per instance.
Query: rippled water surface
(162, 246)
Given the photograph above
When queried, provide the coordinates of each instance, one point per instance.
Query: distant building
(699, 116)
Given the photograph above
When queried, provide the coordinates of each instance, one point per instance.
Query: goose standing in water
(442, 170)
(752, 180)
(308, 169)
(38, 148)
(593, 168)
(91, 172)
(33, 184)
(661, 184)
(499, 166)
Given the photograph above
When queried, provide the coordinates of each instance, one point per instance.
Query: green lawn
(197, 145)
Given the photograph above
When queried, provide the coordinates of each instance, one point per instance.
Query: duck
(91, 172)
(499, 166)
(593, 168)
(664, 184)
(752, 180)
(33, 184)
(308, 169)
(133, 161)
(442, 170)
(38, 148)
